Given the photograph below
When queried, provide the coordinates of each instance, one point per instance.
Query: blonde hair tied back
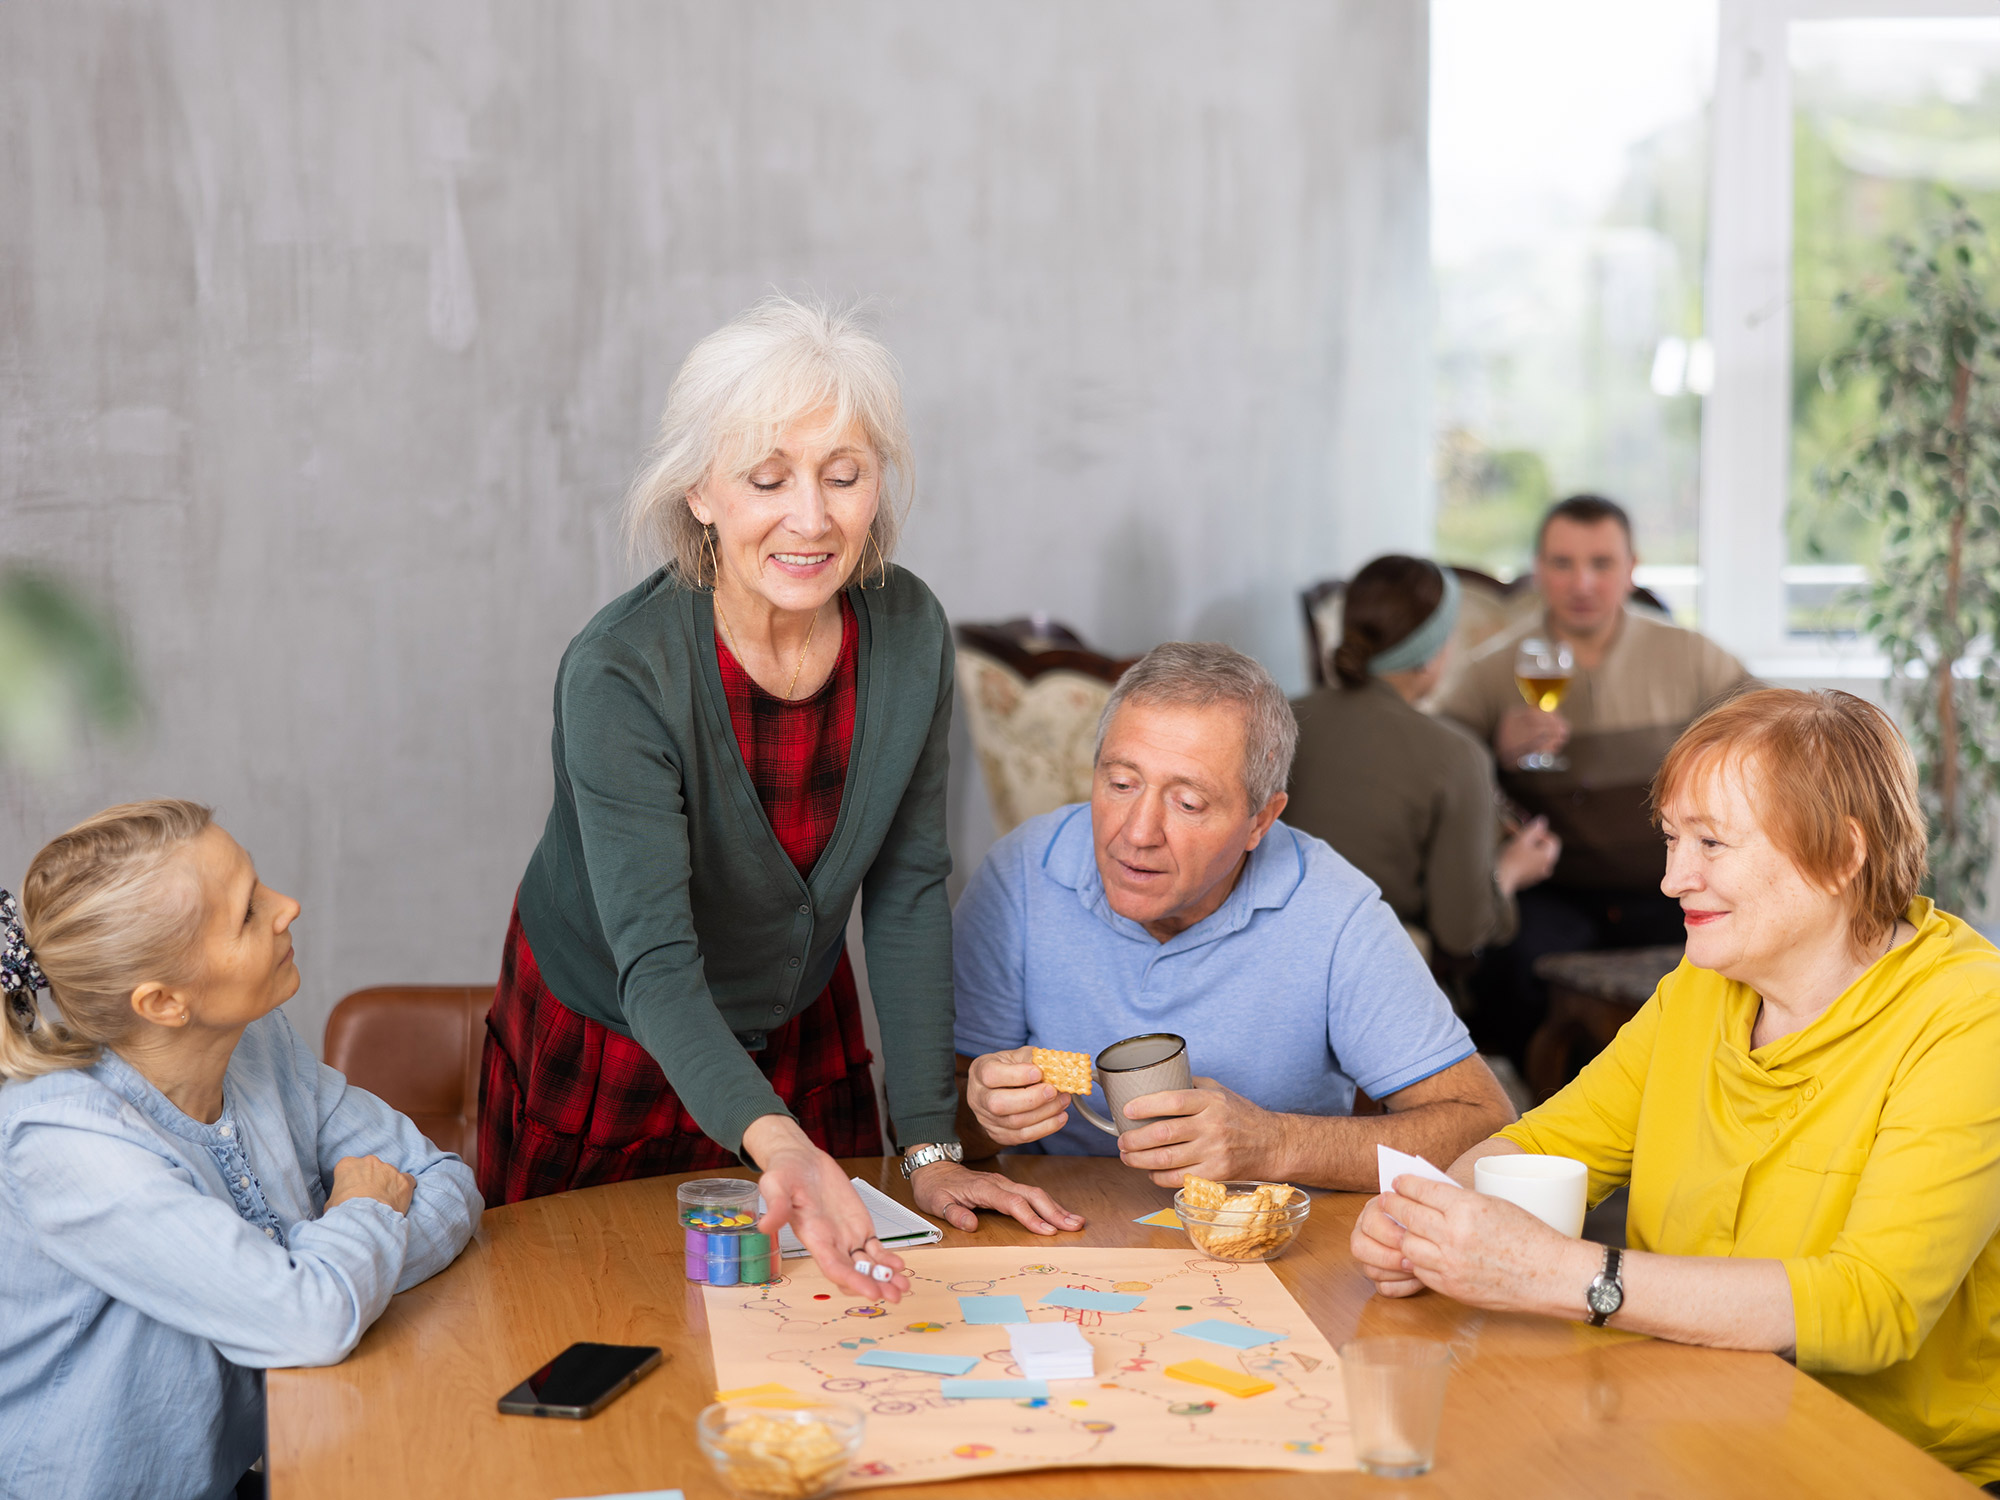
(106, 907)
(737, 392)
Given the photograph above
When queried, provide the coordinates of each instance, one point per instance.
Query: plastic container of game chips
(719, 1219)
(780, 1453)
(1243, 1228)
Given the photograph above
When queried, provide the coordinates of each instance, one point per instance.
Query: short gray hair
(737, 392)
(1199, 674)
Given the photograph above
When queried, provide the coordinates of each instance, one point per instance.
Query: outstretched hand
(952, 1192)
(805, 1188)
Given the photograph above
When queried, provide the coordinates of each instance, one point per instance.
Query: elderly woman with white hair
(743, 743)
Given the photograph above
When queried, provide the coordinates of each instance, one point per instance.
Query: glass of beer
(1542, 672)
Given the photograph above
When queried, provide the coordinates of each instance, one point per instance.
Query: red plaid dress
(565, 1102)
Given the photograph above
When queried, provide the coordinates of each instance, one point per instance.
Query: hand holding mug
(1205, 1131)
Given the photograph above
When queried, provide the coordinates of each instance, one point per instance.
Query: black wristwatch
(1606, 1294)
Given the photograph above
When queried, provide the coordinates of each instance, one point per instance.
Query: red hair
(1831, 764)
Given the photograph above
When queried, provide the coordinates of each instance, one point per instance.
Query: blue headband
(1423, 643)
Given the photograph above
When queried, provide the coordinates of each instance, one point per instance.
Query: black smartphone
(581, 1381)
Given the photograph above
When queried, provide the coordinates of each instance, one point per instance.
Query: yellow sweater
(1863, 1152)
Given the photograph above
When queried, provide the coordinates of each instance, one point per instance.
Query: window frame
(1746, 429)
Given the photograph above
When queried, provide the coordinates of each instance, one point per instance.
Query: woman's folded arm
(129, 1220)
(444, 1210)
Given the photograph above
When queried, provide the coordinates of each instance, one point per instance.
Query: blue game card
(932, 1364)
(992, 1390)
(1069, 1296)
(1230, 1335)
(992, 1310)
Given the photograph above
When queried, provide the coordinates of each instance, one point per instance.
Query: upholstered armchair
(1032, 692)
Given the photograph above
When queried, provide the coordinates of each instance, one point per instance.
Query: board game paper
(805, 1333)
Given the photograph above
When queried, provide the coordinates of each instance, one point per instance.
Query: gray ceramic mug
(1133, 1068)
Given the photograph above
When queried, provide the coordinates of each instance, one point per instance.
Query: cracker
(1068, 1071)
(1199, 1192)
(1244, 1226)
(784, 1460)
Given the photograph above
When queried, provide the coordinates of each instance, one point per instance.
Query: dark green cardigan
(660, 903)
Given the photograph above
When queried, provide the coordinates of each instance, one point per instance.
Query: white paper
(1391, 1164)
(1051, 1351)
(1046, 1338)
(895, 1226)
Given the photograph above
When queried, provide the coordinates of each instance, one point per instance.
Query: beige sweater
(1624, 714)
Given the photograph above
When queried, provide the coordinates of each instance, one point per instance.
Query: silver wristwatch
(923, 1156)
(1606, 1294)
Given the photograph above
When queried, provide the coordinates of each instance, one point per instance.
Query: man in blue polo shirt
(1175, 901)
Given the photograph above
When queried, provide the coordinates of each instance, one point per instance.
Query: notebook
(897, 1227)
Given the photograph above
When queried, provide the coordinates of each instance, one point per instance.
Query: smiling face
(1584, 570)
(245, 964)
(792, 527)
(1748, 908)
(1169, 817)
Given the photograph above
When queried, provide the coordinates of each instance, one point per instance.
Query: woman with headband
(1407, 798)
(187, 1195)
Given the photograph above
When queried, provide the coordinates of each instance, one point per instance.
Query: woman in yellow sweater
(1807, 1110)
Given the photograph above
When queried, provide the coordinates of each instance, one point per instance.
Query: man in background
(1638, 681)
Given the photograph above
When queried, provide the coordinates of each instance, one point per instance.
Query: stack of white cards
(1051, 1351)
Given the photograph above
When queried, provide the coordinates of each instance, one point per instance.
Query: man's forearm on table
(1338, 1151)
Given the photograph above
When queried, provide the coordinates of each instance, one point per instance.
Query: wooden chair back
(417, 1047)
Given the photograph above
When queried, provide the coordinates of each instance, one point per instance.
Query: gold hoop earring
(714, 563)
(881, 561)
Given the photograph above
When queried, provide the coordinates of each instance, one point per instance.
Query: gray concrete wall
(330, 333)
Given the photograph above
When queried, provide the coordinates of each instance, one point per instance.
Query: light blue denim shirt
(151, 1265)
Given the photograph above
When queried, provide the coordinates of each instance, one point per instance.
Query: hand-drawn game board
(804, 1333)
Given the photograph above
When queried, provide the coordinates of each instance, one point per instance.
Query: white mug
(1552, 1188)
(1131, 1069)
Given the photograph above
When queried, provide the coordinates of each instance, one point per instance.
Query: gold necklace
(737, 651)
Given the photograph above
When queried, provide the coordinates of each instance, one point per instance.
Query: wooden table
(1536, 1407)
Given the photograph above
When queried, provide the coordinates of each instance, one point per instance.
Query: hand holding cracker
(1011, 1100)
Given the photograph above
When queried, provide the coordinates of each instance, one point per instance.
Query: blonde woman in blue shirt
(187, 1196)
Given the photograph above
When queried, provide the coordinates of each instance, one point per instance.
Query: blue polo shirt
(1299, 988)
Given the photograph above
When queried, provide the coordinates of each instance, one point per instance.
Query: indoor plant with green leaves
(1927, 470)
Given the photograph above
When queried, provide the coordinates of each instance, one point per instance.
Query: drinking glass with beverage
(1543, 671)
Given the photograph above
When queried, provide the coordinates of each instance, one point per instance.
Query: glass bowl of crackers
(1241, 1220)
(781, 1453)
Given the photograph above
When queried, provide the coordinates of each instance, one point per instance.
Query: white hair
(738, 391)
(1198, 674)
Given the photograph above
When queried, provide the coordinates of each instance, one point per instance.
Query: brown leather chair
(417, 1047)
